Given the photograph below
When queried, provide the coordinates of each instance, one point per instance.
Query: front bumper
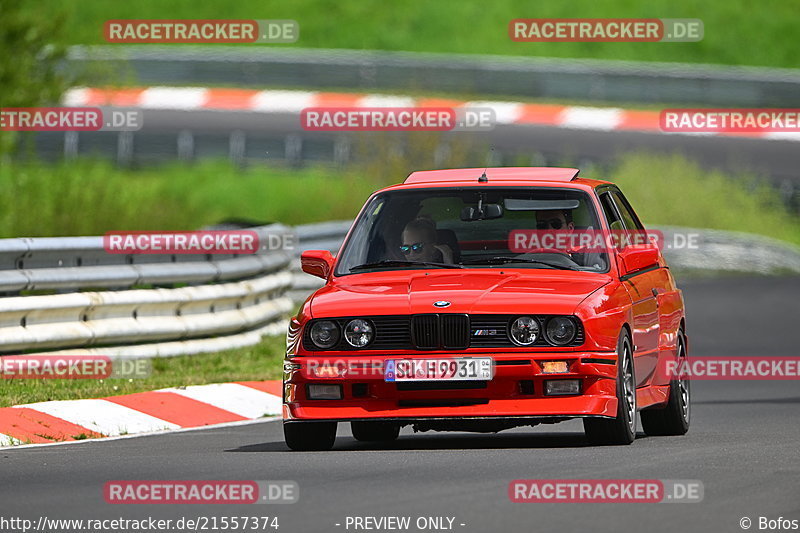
(515, 391)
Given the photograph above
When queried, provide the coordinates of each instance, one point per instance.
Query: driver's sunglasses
(407, 248)
(555, 223)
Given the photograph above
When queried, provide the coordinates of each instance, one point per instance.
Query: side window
(628, 216)
(610, 212)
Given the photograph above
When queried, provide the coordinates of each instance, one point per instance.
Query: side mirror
(317, 263)
(635, 258)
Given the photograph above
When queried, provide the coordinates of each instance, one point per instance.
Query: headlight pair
(558, 330)
(358, 333)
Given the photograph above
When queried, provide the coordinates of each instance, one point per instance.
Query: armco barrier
(537, 77)
(145, 305)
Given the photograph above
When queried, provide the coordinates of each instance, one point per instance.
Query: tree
(31, 55)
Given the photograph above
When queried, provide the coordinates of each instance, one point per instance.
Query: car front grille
(439, 331)
(434, 331)
(425, 331)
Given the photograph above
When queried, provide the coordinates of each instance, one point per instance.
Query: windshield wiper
(500, 260)
(379, 264)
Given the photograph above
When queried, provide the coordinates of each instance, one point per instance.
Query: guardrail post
(293, 151)
(70, 144)
(236, 147)
(185, 145)
(125, 148)
(341, 151)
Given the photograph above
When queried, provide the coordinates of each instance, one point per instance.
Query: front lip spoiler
(415, 420)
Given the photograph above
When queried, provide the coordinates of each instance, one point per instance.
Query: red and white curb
(281, 101)
(144, 412)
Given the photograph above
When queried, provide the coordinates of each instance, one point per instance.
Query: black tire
(622, 429)
(309, 436)
(375, 431)
(675, 416)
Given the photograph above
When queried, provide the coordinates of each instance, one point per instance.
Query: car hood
(536, 291)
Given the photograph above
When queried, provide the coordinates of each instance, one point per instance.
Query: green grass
(254, 363)
(737, 32)
(671, 190)
(86, 197)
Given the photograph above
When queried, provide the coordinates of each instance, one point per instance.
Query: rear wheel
(622, 428)
(309, 436)
(375, 431)
(673, 418)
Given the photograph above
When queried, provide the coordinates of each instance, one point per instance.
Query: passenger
(556, 220)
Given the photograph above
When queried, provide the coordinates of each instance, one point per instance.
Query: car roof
(500, 176)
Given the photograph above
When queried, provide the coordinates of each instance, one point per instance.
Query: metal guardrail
(539, 77)
(232, 295)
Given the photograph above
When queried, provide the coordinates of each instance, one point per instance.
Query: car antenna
(483, 177)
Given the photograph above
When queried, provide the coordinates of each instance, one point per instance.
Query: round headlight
(525, 331)
(325, 334)
(358, 333)
(561, 330)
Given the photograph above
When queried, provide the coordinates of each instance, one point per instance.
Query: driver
(556, 219)
(418, 242)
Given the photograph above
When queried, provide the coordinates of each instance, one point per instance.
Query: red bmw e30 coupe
(480, 300)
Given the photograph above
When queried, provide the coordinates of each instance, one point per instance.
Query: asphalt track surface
(743, 446)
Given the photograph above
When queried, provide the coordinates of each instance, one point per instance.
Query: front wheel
(673, 418)
(622, 428)
(309, 436)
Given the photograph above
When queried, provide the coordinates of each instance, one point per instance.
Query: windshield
(471, 227)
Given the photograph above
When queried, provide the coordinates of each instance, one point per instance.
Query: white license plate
(452, 369)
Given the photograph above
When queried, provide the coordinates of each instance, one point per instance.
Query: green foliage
(30, 50)
(737, 32)
(672, 190)
(87, 197)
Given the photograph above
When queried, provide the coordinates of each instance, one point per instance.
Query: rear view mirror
(485, 212)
